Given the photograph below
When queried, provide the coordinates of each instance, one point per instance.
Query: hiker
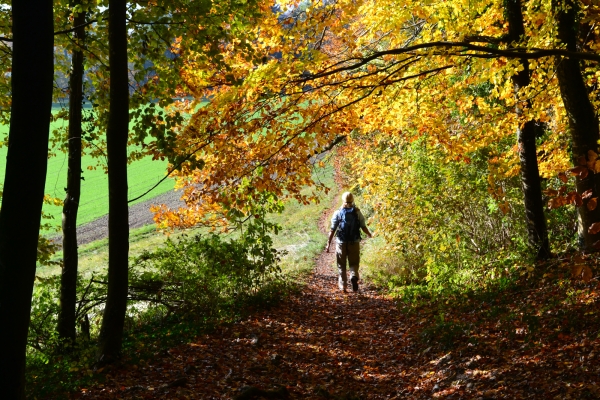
(347, 222)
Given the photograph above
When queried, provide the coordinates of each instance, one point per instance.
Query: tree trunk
(537, 230)
(583, 122)
(25, 176)
(68, 281)
(111, 333)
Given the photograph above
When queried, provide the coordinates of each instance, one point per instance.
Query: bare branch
(186, 158)
(483, 39)
(330, 145)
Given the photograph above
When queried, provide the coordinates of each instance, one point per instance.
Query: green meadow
(142, 175)
(299, 237)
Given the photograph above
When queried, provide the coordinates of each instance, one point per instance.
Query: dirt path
(321, 341)
(320, 344)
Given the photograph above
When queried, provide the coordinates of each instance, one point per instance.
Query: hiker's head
(347, 199)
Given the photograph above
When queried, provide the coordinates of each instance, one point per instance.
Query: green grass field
(142, 175)
(299, 237)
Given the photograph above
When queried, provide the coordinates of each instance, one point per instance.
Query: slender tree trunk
(68, 281)
(111, 333)
(583, 121)
(25, 176)
(537, 230)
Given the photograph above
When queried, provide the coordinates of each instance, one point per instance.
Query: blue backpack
(349, 227)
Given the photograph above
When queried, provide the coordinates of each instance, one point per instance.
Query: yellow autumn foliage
(390, 71)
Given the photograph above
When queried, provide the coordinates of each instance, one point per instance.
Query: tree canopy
(380, 74)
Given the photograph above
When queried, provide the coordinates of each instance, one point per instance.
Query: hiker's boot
(342, 285)
(354, 281)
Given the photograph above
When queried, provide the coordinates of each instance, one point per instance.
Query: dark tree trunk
(111, 333)
(25, 176)
(583, 122)
(537, 230)
(68, 281)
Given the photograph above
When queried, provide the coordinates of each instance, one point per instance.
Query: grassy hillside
(142, 175)
(299, 237)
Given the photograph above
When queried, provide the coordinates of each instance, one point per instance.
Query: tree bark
(25, 176)
(68, 281)
(111, 333)
(583, 121)
(537, 231)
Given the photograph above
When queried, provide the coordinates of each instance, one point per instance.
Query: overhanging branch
(464, 49)
(73, 29)
(330, 146)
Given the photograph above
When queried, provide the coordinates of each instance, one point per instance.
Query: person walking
(346, 224)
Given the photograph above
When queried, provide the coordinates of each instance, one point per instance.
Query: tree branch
(73, 29)
(154, 23)
(484, 39)
(186, 158)
(330, 145)
(484, 52)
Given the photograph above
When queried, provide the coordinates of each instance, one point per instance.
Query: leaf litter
(529, 342)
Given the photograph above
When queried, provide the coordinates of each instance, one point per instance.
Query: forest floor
(537, 342)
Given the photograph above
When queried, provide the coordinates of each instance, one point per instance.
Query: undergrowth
(454, 253)
(186, 286)
(529, 310)
(175, 291)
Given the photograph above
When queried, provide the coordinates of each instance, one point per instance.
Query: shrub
(443, 223)
(203, 275)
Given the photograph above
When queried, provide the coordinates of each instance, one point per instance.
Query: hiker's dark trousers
(347, 253)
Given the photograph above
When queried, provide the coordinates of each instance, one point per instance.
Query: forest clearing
(165, 163)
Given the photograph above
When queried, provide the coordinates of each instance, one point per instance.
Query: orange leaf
(576, 270)
(582, 160)
(562, 336)
(563, 177)
(574, 198)
(587, 274)
(557, 202)
(579, 171)
(551, 192)
(594, 228)
(592, 203)
(553, 203)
